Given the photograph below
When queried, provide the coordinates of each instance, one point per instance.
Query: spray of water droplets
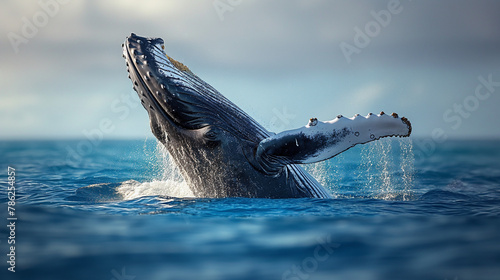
(167, 182)
(387, 170)
(382, 169)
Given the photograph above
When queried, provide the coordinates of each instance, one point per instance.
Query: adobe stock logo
(310, 264)
(363, 37)
(31, 26)
(221, 7)
(456, 115)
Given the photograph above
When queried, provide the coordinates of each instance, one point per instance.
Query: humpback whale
(223, 152)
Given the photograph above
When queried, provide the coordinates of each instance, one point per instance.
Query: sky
(62, 75)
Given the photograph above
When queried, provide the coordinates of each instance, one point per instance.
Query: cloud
(76, 58)
(367, 95)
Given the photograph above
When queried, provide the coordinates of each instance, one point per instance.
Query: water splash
(387, 169)
(383, 170)
(132, 189)
(319, 171)
(329, 173)
(168, 169)
(168, 181)
(384, 166)
(407, 166)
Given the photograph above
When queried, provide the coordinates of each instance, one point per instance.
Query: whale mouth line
(147, 92)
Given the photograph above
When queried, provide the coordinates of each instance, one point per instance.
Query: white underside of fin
(318, 141)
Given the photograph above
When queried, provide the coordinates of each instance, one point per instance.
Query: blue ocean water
(119, 210)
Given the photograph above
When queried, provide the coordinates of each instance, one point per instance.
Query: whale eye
(211, 137)
(211, 134)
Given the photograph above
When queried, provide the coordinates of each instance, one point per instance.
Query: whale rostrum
(223, 152)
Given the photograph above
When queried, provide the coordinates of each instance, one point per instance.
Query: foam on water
(132, 189)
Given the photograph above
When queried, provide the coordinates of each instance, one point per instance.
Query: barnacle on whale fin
(313, 122)
(179, 65)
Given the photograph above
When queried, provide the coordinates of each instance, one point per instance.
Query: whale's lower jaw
(220, 150)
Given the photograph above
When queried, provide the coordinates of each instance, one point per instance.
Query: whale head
(177, 99)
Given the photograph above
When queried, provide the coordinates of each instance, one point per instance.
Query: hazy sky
(435, 62)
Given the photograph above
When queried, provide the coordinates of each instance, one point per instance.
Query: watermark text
(31, 26)
(11, 219)
(223, 6)
(310, 264)
(363, 37)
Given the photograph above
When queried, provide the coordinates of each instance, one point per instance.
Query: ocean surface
(119, 210)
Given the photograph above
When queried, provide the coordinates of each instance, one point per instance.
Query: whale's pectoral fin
(319, 141)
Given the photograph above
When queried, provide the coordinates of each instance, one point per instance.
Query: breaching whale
(220, 150)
